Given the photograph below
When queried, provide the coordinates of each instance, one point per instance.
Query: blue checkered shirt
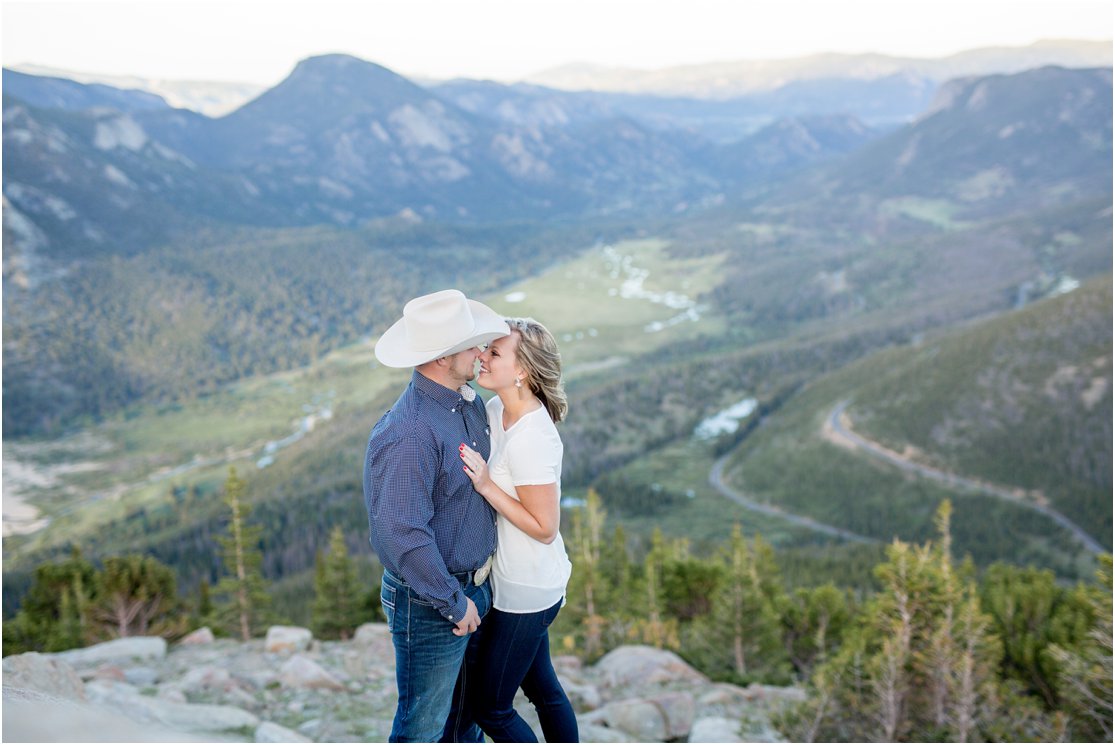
(425, 519)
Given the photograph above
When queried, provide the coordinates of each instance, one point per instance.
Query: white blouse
(528, 576)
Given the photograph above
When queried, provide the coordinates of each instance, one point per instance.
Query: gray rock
(141, 676)
(724, 694)
(590, 732)
(28, 718)
(776, 694)
(287, 639)
(197, 718)
(271, 732)
(310, 727)
(640, 665)
(641, 719)
(206, 678)
(117, 651)
(583, 696)
(204, 635)
(302, 672)
(43, 673)
(716, 729)
(374, 640)
(679, 709)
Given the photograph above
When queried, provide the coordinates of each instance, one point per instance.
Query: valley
(714, 303)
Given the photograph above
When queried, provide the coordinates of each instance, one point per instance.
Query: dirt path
(837, 429)
(716, 479)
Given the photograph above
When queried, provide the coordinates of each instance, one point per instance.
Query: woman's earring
(519, 385)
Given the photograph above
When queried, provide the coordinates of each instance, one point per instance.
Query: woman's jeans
(513, 652)
(428, 660)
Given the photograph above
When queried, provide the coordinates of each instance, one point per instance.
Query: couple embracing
(463, 510)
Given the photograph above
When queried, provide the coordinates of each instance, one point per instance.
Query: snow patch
(514, 297)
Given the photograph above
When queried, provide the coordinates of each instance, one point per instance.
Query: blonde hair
(538, 354)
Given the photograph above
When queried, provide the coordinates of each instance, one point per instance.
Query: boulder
(204, 635)
(643, 720)
(679, 709)
(196, 718)
(43, 673)
(31, 717)
(590, 732)
(131, 649)
(715, 729)
(302, 672)
(583, 696)
(271, 732)
(638, 665)
(724, 694)
(206, 678)
(287, 639)
(374, 640)
(141, 676)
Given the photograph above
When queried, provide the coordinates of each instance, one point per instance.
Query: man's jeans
(428, 657)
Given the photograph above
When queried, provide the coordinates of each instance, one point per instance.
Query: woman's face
(498, 366)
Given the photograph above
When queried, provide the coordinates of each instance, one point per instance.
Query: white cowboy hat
(438, 325)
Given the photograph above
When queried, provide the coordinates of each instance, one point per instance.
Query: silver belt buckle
(482, 573)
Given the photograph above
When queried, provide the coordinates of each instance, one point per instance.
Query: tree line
(938, 652)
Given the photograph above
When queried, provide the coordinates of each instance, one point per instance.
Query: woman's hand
(475, 468)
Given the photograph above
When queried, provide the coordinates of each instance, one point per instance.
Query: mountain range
(92, 172)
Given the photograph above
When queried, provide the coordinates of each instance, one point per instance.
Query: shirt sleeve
(404, 473)
(534, 457)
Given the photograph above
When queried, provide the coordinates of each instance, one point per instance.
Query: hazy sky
(260, 42)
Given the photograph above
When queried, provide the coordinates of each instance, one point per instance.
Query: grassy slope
(789, 462)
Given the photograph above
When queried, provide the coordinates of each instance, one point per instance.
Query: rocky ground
(290, 687)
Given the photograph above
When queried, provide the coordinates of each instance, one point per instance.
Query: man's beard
(467, 372)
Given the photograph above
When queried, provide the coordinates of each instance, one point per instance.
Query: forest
(935, 649)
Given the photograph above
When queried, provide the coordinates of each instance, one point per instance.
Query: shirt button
(453, 410)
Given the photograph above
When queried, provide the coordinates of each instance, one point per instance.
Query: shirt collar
(447, 397)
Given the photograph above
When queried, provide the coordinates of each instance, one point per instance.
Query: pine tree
(54, 615)
(136, 596)
(245, 600)
(1085, 673)
(587, 592)
(337, 592)
(920, 663)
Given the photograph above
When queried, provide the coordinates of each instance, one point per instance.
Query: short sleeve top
(528, 576)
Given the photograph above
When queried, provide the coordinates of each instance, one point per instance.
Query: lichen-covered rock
(715, 729)
(43, 673)
(271, 732)
(642, 720)
(288, 639)
(204, 635)
(679, 709)
(302, 672)
(640, 666)
(126, 651)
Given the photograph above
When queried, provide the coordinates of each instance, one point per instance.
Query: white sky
(260, 42)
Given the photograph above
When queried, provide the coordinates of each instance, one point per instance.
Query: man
(435, 535)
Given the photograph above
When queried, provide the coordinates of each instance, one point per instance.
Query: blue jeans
(428, 660)
(513, 652)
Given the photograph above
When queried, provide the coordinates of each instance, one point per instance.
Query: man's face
(462, 365)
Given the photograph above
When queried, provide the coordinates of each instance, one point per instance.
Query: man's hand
(470, 622)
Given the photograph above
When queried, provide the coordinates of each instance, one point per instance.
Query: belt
(476, 576)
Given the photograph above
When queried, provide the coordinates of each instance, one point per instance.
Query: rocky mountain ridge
(290, 687)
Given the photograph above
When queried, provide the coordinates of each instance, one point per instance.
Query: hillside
(985, 402)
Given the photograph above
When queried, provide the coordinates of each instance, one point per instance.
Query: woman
(522, 482)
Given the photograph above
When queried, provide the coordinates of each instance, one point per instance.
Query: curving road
(716, 480)
(836, 422)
